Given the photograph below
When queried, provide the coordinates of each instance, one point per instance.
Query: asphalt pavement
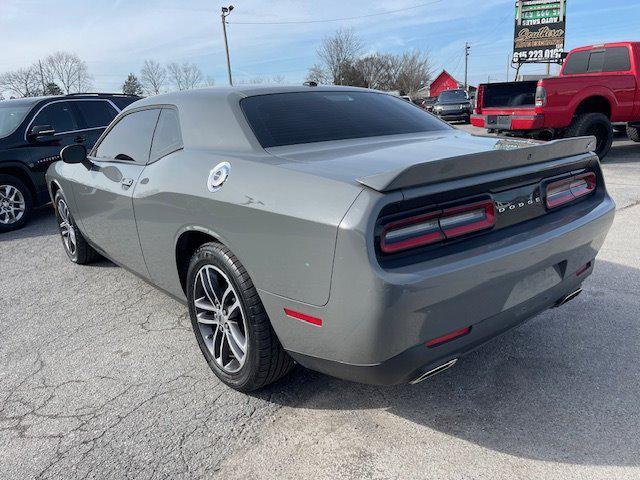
(101, 377)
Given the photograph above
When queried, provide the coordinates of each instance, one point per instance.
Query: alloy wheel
(221, 318)
(67, 229)
(12, 204)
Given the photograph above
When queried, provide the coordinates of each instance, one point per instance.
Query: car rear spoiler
(507, 154)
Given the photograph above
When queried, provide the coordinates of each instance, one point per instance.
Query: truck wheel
(633, 133)
(230, 322)
(16, 203)
(596, 124)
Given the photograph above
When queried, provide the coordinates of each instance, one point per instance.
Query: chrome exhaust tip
(435, 371)
(568, 298)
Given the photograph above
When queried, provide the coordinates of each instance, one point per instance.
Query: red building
(443, 82)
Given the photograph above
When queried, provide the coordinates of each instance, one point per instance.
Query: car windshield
(10, 117)
(307, 117)
(453, 95)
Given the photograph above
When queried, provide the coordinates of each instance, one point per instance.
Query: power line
(338, 19)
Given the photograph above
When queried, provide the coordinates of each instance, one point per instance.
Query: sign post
(539, 31)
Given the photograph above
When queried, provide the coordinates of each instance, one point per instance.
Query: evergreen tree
(52, 88)
(132, 85)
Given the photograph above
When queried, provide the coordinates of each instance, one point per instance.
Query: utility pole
(225, 13)
(466, 65)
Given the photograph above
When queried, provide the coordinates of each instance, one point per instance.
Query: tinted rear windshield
(306, 117)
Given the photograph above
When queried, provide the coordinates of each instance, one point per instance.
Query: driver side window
(130, 138)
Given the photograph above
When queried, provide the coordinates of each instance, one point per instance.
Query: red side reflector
(304, 317)
(448, 336)
(583, 269)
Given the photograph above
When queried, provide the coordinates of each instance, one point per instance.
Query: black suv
(32, 133)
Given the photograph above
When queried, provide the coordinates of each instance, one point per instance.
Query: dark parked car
(32, 133)
(453, 105)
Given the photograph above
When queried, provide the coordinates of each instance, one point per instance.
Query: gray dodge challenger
(341, 228)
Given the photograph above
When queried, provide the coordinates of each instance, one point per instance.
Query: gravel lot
(101, 377)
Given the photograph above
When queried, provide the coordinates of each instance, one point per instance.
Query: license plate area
(501, 122)
(535, 284)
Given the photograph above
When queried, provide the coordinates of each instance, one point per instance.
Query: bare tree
(379, 70)
(338, 52)
(69, 71)
(278, 79)
(414, 72)
(153, 77)
(21, 83)
(185, 76)
(318, 75)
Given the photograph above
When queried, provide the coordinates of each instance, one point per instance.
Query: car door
(62, 118)
(104, 192)
(96, 115)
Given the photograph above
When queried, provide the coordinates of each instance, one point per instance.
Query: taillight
(479, 99)
(436, 226)
(567, 190)
(541, 96)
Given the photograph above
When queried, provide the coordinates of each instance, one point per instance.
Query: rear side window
(614, 59)
(307, 117)
(167, 138)
(130, 138)
(596, 61)
(617, 59)
(96, 113)
(59, 115)
(577, 63)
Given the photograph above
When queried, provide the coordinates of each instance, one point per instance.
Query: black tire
(596, 124)
(6, 223)
(265, 359)
(633, 133)
(82, 253)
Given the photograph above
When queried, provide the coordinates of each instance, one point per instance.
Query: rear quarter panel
(566, 93)
(282, 225)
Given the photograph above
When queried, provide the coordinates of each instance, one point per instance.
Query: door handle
(126, 182)
(80, 139)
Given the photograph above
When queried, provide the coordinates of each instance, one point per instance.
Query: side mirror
(75, 153)
(42, 132)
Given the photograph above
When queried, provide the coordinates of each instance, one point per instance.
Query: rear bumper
(411, 364)
(378, 321)
(509, 122)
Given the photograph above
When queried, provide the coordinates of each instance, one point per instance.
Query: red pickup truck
(599, 85)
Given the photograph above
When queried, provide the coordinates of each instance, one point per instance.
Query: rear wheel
(633, 133)
(596, 124)
(230, 323)
(75, 245)
(16, 203)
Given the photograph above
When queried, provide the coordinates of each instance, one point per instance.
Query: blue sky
(115, 36)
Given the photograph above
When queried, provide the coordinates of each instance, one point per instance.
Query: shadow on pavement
(562, 388)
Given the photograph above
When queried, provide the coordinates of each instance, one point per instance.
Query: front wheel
(597, 125)
(230, 323)
(16, 203)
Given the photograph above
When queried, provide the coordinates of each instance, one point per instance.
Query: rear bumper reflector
(303, 317)
(448, 336)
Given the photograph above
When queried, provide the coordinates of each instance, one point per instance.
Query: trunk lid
(391, 163)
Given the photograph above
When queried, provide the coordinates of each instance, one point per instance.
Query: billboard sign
(540, 31)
